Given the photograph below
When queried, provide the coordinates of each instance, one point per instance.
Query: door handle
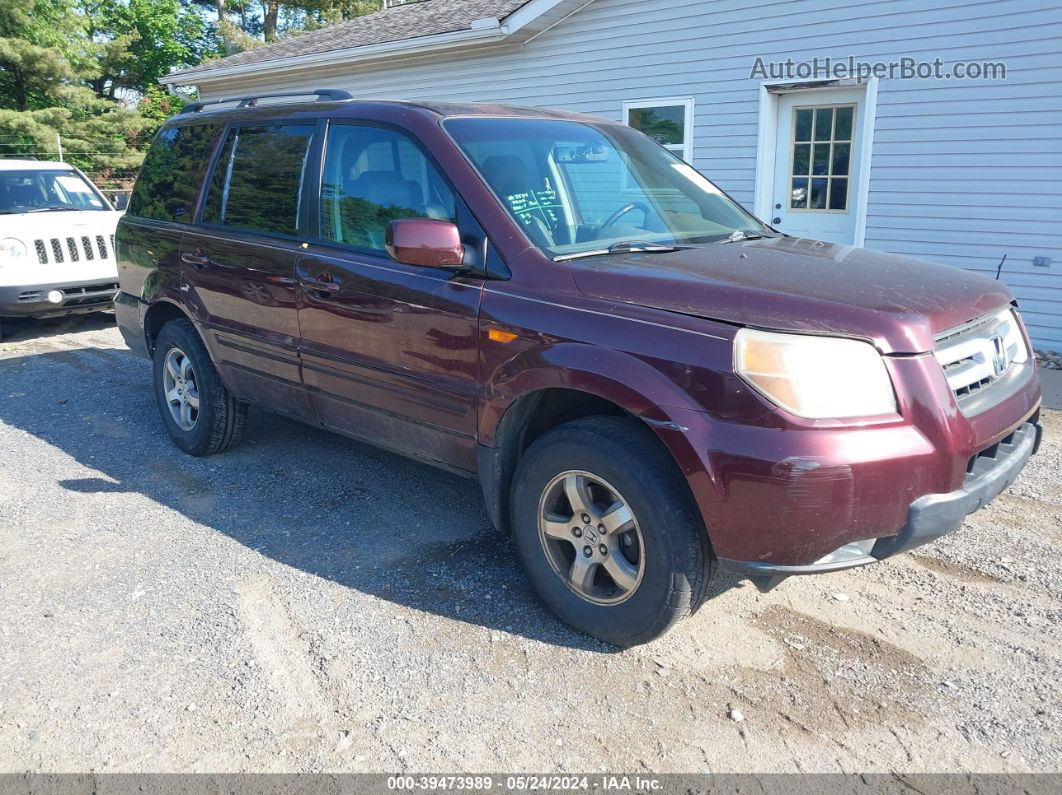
(195, 260)
(324, 287)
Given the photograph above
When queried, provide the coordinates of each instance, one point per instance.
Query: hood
(792, 284)
(28, 227)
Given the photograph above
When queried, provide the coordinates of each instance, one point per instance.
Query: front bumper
(929, 517)
(31, 300)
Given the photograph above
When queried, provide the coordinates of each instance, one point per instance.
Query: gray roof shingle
(409, 21)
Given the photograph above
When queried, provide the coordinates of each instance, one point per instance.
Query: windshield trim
(604, 126)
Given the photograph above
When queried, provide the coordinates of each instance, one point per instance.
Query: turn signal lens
(497, 335)
(815, 377)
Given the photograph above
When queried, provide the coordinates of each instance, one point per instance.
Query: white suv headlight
(815, 377)
(12, 250)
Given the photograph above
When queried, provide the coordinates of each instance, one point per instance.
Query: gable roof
(415, 25)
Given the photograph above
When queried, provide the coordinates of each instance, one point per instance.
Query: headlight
(815, 377)
(12, 251)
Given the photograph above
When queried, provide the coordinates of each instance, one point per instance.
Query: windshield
(43, 191)
(580, 188)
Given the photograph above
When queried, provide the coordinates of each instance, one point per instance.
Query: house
(922, 127)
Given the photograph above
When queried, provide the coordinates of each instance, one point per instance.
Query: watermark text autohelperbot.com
(904, 68)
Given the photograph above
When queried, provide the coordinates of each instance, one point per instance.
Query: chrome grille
(102, 246)
(71, 246)
(978, 354)
(42, 252)
(87, 245)
(57, 250)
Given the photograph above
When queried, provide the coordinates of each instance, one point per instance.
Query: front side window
(373, 175)
(168, 183)
(576, 188)
(258, 179)
(45, 191)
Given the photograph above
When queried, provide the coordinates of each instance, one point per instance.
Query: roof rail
(322, 94)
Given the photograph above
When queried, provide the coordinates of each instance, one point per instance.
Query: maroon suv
(649, 382)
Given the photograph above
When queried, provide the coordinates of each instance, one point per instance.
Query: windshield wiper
(740, 234)
(622, 247)
(65, 208)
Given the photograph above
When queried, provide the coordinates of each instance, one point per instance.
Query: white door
(816, 164)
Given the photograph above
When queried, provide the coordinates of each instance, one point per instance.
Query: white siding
(962, 172)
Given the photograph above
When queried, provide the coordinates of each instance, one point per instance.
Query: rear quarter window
(168, 183)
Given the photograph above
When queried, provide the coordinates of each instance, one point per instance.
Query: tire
(622, 463)
(218, 422)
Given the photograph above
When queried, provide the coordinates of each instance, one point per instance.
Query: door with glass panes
(816, 171)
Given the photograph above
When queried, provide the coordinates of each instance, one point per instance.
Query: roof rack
(322, 94)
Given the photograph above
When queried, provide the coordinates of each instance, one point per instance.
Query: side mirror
(120, 201)
(423, 241)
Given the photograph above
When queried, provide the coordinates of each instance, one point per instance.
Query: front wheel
(200, 414)
(608, 532)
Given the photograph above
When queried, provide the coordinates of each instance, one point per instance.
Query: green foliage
(157, 104)
(135, 42)
(87, 71)
(45, 23)
(235, 39)
(29, 74)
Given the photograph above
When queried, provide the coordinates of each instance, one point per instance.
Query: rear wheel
(200, 414)
(608, 532)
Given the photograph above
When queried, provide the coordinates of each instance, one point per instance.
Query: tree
(63, 66)
(88, 70)
(28, 73)
(135, 42)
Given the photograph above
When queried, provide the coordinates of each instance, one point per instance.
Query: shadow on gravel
(23, 329)
(334, 508)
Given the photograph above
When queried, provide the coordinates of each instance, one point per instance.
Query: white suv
(56, 241)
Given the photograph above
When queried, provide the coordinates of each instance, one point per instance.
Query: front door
(238, 263)
(816, 170)
(389, 351)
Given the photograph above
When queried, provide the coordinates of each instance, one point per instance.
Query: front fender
(623, 379)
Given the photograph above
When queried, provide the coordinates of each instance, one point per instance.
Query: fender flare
(153, 306)
(624, 380)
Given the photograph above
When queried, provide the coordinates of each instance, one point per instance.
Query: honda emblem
(999, 356)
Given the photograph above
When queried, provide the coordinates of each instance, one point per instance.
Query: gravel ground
(307, 603)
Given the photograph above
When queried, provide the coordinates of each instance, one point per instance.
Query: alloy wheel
(180, 389)
(591, 537)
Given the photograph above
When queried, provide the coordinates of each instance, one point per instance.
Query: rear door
(389, 351)
(238, 261)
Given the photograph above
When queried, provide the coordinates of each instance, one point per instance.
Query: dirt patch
(834, 679)
(956, 571)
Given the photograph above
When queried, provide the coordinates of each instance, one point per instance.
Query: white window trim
(683, 150)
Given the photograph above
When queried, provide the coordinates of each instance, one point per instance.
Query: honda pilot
(650, 384)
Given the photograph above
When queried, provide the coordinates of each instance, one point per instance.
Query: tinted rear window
(168, 183)
(257, 183)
